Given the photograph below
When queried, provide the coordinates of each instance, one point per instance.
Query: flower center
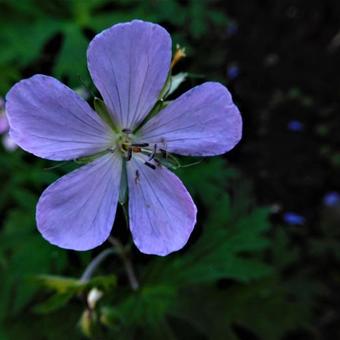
(127, 148)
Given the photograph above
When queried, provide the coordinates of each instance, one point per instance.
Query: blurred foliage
(230, 276)
(239, 278)
(27, 26)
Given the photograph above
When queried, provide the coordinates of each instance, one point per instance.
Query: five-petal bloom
(129, 63)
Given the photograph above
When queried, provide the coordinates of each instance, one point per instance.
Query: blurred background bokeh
(264, 260)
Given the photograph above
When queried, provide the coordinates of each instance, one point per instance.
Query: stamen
(129, 154)
(164, 153)
(137, 177)
(152, 156)
(179, 54)
(141, 145)
(126, 130)
(157, 162)
(150, 165)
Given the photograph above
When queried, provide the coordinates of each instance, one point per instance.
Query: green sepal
(166, 87)
(88, 159)
(103, 112)
(170, 161)
(172, 83)
(176, 81)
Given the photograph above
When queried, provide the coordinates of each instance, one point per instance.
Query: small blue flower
(296, 126)
(232, 28)
(331, 199)
(233, 71)
(293, 218)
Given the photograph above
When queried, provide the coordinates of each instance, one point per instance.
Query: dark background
(263, 261)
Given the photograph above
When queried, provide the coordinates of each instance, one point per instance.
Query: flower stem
(94, 264)
(126, 215)
(118, 249)
(121, 252)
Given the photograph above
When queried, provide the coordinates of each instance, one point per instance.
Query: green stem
(126, 215)
(121, 252)
(95, 263)
(130, 273)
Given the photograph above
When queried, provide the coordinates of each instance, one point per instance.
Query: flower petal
(162, 213)
(51, 121)
(129, 64)
(77, 211)
(202, 122)
(4, 126)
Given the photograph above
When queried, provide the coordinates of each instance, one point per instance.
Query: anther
(164, 153)
(137, 177)
(152, 156)
(150, 165)
(126, 130)
(129, 154)
(140, 145)
(157, 162)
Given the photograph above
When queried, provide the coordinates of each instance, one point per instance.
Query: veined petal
(129, 64)
(202, 122)
(78, 210)
(51, 121)
(162, 213)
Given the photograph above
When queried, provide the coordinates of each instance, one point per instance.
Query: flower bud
(93, 296)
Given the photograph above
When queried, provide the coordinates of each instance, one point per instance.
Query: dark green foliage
(27, 26)
(179, 291)
(239, 273)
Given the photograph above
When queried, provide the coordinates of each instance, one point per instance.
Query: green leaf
(219, 253)
(71, 61)
(147, 308)
(216, 174)
(24, 40)
(54, 303)
(25, 254)
(60, 284)
(64, 289)
(104, 282)
(262, 307)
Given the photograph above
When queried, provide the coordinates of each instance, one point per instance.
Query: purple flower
(232, 28)
(4, 126)
(129, 63)
(295, 125)
(293, 218)
(331, 199)
(233, 71)
(7, 141)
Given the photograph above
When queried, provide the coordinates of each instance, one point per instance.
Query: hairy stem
(121, 252)
(126, 215)
(118, 249)
(95, 263)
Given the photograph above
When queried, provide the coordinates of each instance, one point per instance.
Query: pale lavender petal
(162, 213)
(8, 143)
(129, 64)
(202, 122)
(77, 211)
(4, 126)
(51, 121)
